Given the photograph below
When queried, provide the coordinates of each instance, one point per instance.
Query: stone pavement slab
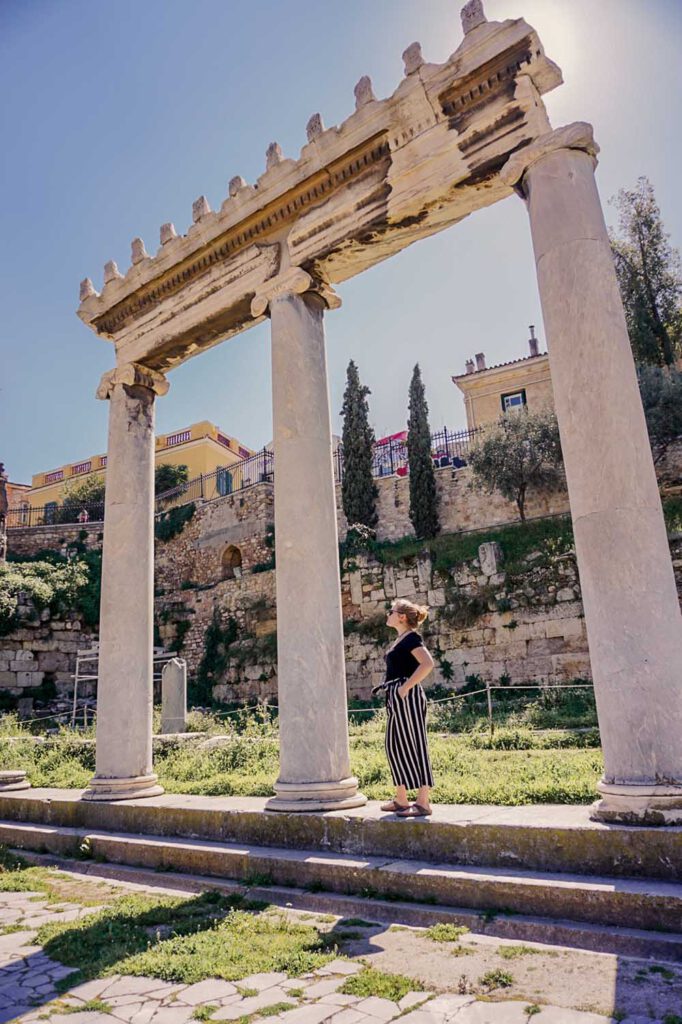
(212, 990)
(381, 1009)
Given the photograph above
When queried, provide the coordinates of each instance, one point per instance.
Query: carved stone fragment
(364, 93)
(412, 57)
(314, 127)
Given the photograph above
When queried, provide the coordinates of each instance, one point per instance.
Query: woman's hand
(403, 690)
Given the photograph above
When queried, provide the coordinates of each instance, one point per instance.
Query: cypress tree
(358, 490)
(423, 495)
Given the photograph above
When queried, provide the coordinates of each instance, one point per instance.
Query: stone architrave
(632, 614)
(125, 683)
(174, 696)
(314, 749)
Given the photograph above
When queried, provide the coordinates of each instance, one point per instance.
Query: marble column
(124, 690)
(632, 613)
(313, 718)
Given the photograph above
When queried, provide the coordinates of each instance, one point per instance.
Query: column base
(132, 788)
(12, 780)
(316, 796)
(638, 805)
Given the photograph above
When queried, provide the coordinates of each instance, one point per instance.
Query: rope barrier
(362, 711)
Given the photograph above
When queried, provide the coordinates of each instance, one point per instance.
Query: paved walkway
(28, 994)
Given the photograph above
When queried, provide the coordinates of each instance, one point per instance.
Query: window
(51, 478)
(81, 467)
(514, 401)
(223, 482)
(50, 512)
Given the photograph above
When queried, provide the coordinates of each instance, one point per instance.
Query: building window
(102, 461)
(24, 512)
(244, 452)
(81, 467)
(180, 438)
(514, 401)
(223, 440)
(50, 512)
(223, 482)
(51, 478)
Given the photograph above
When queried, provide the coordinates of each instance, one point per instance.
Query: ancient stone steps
(535, 838)
(553, 897)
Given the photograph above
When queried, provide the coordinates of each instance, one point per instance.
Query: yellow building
(494, 391)
(203, 447)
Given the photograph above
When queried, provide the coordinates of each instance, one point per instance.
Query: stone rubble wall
(42, 650)
(461, 507)
(27, 541)
(195, 554)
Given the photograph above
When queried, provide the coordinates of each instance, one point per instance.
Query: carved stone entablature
(293, 281)
(578, 135)
(132, 374)
(396, 170)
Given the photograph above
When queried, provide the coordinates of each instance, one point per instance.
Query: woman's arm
(425, 666)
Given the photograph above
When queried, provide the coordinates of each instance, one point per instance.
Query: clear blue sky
(116, 116)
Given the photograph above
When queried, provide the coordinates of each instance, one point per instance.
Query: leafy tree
(649, 276)
(167, 476)
(661, 391)
(520, 451)
(77, 494)
(358, 490)
(423, 494)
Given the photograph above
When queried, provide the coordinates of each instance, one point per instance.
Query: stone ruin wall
(42, 650)
(542, 638)
(28, 541)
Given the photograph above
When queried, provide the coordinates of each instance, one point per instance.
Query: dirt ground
(597, 982)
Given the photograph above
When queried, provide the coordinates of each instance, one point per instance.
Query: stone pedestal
(632, 613)
(13, 780)
(125, 682)
(174, 696)
(314, 750)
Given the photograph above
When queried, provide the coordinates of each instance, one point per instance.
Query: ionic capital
(578, 135)
(293, 281)
(132, 374)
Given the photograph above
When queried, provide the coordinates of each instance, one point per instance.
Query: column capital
(132, 373)
(578, 135)
(292, 281)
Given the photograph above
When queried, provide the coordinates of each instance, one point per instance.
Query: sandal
(415, 811)
(393, 806)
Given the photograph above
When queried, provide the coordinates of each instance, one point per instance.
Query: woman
(407, 664)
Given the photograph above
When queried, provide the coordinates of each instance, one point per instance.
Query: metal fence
(448, 448)
(258, 468)
(53, 513)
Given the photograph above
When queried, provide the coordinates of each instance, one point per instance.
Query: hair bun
(422, 612)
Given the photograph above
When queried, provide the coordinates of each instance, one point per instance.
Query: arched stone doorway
(231, 563)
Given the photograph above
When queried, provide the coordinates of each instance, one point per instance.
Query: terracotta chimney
(469, 366)
(533, 343)
(480, 361)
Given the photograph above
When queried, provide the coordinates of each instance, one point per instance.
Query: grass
(450, 550)
(204, 1012)
(184, 940)
(496, 978)
(518, 765)
(371, 982)
(514, 952)
(446, 932)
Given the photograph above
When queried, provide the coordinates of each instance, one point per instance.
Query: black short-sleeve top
(400, 661)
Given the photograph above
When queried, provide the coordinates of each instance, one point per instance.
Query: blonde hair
(414, 613)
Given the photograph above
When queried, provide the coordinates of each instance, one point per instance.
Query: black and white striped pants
(407, 747)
